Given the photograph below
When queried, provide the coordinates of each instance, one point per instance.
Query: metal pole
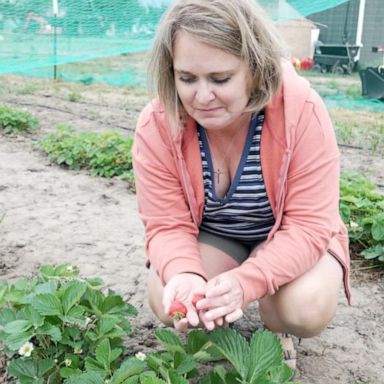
(55, 10)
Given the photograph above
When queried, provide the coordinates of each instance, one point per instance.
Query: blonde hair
(239, 27)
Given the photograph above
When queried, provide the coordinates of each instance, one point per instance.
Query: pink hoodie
(300, 163)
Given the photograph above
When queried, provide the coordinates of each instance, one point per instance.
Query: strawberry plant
(58, 325)
(362, 210)
(106, 154)
(59, 328)
(15, 121)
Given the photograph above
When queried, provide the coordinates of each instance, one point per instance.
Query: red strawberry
(196, 298)
(178, 310)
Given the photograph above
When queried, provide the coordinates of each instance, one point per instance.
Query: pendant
(217, 174)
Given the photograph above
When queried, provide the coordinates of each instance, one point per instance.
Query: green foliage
(15, 121)
(362, 211)
(58, 325)
(257, 361)
(74, 97)
(106, 154)
(59, 328)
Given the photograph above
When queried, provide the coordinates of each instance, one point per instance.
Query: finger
(219, 322)
(169, 296)
(192, 316)
(219, 312)
(225, 300)
(217, 288)
(208, 324)
(181, 325)
(236, 315)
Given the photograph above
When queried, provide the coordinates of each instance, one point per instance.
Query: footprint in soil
(9, 258)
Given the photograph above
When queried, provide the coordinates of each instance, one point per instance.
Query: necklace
(217, 173)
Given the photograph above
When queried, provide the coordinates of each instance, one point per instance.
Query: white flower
(67, 362)
(353, 224)
(140, 356)
(69, 268)
(77, 351)
(26, 349)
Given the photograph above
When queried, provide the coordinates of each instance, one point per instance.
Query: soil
(52, 215)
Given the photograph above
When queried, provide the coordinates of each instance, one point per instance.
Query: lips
(208, 109)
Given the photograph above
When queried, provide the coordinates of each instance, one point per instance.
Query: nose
(204, 94)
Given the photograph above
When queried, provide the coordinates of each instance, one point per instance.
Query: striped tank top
(244, 214)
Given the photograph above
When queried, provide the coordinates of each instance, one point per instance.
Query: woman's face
(213, 85)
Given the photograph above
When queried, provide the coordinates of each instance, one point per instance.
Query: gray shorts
(238, 250)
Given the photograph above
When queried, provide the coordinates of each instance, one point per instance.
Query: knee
(159, 312)
(298, 315)
(306, 318)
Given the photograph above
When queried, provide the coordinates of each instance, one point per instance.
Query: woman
(237, 176)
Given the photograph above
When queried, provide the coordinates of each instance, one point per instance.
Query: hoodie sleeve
(310, 208)
(171, 236)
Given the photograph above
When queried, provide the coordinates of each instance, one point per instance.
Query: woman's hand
(223, 301)
(183, 287)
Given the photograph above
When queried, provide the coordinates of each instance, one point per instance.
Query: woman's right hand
(183, 287)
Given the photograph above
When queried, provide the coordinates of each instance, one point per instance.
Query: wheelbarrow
(336, 58)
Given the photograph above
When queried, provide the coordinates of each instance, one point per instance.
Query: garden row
(108, 154)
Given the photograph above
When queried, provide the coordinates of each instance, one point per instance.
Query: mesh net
(36, 35)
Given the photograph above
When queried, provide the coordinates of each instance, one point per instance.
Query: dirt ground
(52, 215)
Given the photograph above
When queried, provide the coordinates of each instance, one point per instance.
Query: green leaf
(22, 368)
(112, 304)
(95, 281)
(103, 353)
(170, 340)
(34, 316)
(47, 287)
(277, 375)
(72, 294)
(216, 376)
(184, 363)
(200, 346)
(17, 326)
(49, 330)
(47, 305)
(93, 365)
(15, 341)
(373, 252)
(151, 380)
(197, 339)
(66, 372)
(76, 313)
(234, 347)
(47, 271)
(3, 291)
(130, 367)
(43, 366)
(7, 315)
(106, 324)
(265, 352)
(85, 378)
(115, 353)
(175, 378)
(94, 297)
(377, 229)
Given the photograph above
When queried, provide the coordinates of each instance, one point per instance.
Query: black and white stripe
(244, 214)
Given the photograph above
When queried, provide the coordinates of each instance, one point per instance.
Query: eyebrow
(183, 72)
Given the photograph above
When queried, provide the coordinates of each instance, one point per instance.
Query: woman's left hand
(223, 301)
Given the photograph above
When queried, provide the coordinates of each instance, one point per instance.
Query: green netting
(44, 33)
(353, 103)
